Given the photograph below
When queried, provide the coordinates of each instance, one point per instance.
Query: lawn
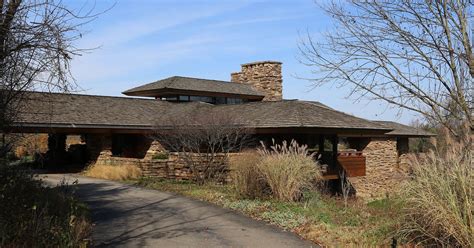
(321, 218)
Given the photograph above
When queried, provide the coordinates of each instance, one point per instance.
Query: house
(117, 129)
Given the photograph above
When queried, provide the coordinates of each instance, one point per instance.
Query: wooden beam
(321, 144)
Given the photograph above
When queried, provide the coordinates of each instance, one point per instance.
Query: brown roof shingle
(404, 130)
(73, 110)
(194, 84)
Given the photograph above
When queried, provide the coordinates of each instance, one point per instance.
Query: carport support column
(56, 148)
(99, 147)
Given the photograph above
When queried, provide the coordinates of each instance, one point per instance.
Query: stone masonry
(382, 169)
(263, 76)
(99, 146)
(172, 167)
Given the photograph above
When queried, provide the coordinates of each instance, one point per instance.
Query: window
(200, 99)
(234, 100)
(184, 98)
(169, 98)
(220, 100)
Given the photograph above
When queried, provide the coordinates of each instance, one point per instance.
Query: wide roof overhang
(73, 113)
(164, 92)
(143, 129)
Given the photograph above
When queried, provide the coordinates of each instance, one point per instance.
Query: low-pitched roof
(404, 130)
(296, 113)
(88, 111)
(196, 85)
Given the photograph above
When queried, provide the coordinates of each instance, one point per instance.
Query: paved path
(128, 216)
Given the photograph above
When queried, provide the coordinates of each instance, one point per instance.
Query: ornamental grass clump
(288, 169)
(245, 176)
(439, 200)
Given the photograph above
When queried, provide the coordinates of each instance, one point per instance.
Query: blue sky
(140, 41)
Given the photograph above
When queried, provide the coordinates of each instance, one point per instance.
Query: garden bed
(317, 217)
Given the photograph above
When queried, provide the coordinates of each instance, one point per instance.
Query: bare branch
(414, 55)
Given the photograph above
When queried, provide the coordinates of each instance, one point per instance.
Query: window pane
(234, 100)
(220, 100)
(201, 99)
(206, 99)
(184, 98)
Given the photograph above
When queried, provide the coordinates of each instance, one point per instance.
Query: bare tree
(204, 142)
(415, 55)
(37, 44)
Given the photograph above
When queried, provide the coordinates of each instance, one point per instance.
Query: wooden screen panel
(353, 164)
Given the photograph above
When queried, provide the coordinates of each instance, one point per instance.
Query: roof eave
(171, 91)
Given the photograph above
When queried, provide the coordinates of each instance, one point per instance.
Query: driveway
(128, 216)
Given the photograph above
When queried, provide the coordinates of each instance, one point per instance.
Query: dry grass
(29, 144)
(320, 218)
(245, 177)
(439, 207)
(288, 169)
(114, 172)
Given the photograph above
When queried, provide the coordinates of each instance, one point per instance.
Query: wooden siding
(353, 164)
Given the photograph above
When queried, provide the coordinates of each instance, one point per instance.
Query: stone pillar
(99, 146)
(264, 76)
(154, 149)
(382, 174)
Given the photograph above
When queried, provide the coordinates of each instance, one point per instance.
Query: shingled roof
(404, 130)
(74, 110)
(88, 111)
(189, 84)
(296, 113)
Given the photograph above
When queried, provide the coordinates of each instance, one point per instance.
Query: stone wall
(383, 173)
(263, 76)
(174, 167)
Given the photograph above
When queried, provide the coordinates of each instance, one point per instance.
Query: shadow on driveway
(128, 216)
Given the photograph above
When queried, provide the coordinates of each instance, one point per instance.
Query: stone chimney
(264, 76)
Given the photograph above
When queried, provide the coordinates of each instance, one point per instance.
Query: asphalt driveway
(128, 216)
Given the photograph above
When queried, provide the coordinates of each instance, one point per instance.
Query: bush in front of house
(439, 200)
(247, 181)
(288, 169)
(285, 171)
(35, 216)
(113, 172)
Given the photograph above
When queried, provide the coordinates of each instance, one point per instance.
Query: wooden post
(334, 142)
(321, 144)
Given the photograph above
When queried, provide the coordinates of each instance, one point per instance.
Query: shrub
(439, 200)
(245, 177)
(288, 170)
(35, 216)
(114, 172)
(161, 155)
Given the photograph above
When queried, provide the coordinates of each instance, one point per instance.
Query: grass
(439, 209)
(288, 170)
(113, 172)
(320, 218)
(246, 178)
